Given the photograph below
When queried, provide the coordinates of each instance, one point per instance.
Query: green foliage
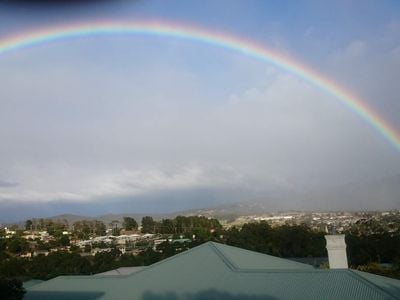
(74, 249)
(196, 224)
(396, 264)
(171, 248)
(166, 226)
(375, 268)
(101, 245)
(252, 236)
(105, 261)
(130, 223)
(56, 264)
(368, 241)
(28, 224)
(128, 260)
(11, 289)
(13, 267)
(45, 267)
(203, 228)
(17, 245)
(98, 228)
(116, 231)
(42, 246)
(299, 241)
(148, 225)
(84, 229)
(284, 241)
(3, 244)
(46, 224)
(149, 257)
(114, 225)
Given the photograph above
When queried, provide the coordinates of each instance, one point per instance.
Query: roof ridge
(231, 265)
(371, 284)
(220, 248)
(186, 252)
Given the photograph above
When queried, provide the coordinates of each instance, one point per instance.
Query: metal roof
(216, 271)
(120, 271)
(30, 283)
(245, 259)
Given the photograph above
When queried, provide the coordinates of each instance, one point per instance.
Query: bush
(11, 289)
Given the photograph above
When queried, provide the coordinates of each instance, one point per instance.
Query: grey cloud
(8, 184)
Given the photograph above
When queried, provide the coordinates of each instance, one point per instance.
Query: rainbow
(183, 31)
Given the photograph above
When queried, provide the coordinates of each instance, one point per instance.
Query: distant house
(40, 252)
(216, 271)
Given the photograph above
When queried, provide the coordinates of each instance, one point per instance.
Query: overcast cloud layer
(138, 120)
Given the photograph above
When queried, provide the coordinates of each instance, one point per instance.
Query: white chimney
(336, 247)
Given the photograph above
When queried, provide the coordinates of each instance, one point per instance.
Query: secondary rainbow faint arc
(224, 40)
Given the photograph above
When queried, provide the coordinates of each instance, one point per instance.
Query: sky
(144, 123)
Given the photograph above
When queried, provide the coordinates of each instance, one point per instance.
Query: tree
(58, 263)
(129, 260)
(11, 289)
(375, 268)
(99, 228)
(167, 226)
(64, 240)
(130, 223)
(284, 241)
(114, 225)
(28, 224)
(82, 229)
(148, 225)
(104, 261)
(17, 245)
(12, 267)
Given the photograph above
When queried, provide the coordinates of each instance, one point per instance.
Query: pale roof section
(121, 271)
(245, 259)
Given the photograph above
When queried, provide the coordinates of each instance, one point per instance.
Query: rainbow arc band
(188, 32)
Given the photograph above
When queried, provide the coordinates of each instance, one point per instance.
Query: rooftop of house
(121, 271)
(216, 271)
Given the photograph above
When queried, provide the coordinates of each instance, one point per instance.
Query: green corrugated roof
(389, 285)
(32, 282)
(219, 272)
(245, 259)
(121, 271)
